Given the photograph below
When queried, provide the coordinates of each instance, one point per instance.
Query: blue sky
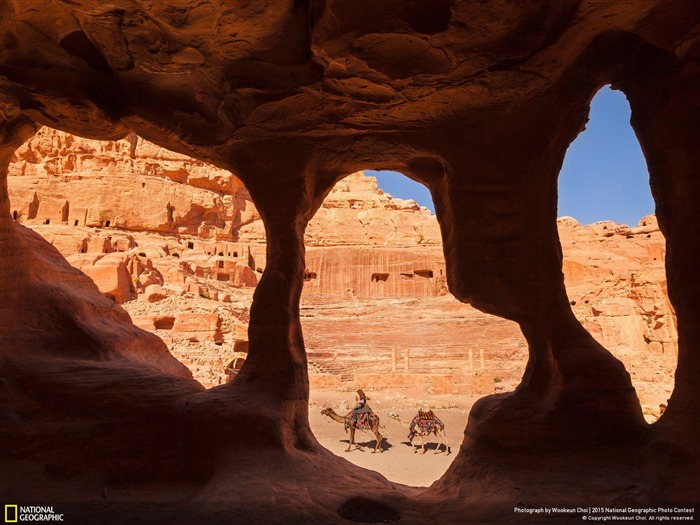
(604, 176)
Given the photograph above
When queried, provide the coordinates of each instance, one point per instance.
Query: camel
(440, 433)
(351, 425)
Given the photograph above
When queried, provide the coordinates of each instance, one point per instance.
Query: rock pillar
(497, 208)
(665, 116)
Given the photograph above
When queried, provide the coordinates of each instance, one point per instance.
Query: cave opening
(478, 100)
(379, 277)
(164, 323)
(379, 317)
(614, 251)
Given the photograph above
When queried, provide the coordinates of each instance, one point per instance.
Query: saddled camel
(434, 426)
(351, 425)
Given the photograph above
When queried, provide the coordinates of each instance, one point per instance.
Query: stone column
(272, 387)
(276, 358)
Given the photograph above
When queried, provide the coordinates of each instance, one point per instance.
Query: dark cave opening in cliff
(378, 316)
(614, 251)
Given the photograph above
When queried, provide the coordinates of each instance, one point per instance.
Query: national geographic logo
(17, 514)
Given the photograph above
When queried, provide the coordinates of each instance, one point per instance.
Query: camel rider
(361, 406)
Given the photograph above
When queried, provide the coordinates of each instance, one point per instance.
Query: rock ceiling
(204, 75)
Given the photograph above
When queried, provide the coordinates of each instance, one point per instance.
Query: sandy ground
(397, 462)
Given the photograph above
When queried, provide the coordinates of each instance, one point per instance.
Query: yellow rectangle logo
(10, 511)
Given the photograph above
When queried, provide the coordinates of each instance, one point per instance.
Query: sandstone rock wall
(616, 282)
(478, 100)
(375, 272)
(128, 184)
(361, 244)
(133, 185)
(358, 212)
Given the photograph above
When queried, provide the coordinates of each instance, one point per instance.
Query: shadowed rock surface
(477, 100)
(374, 267)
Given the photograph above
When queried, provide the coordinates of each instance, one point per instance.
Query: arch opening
(614, 252)
(379, 317)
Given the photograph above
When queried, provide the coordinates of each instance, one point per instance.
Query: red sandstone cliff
(128, 184)
(362, 245)
(478, 100)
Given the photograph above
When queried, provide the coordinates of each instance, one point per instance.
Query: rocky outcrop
(362, 244)
(54, 167)
(357, 212)
(478, 101)
(129, 184)
(615, 280)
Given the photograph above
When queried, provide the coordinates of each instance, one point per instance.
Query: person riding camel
(361, 407)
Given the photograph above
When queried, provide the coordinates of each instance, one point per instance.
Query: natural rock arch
(603, 182)
(290, 96)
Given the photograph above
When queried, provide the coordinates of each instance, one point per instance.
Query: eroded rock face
(383, 220)
(477, 100)
(362, 244)
(365, 246)
(615, 280)
(129, 184)
(55, 175)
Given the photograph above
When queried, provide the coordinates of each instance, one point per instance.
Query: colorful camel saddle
(425, 423)
(364, 421)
